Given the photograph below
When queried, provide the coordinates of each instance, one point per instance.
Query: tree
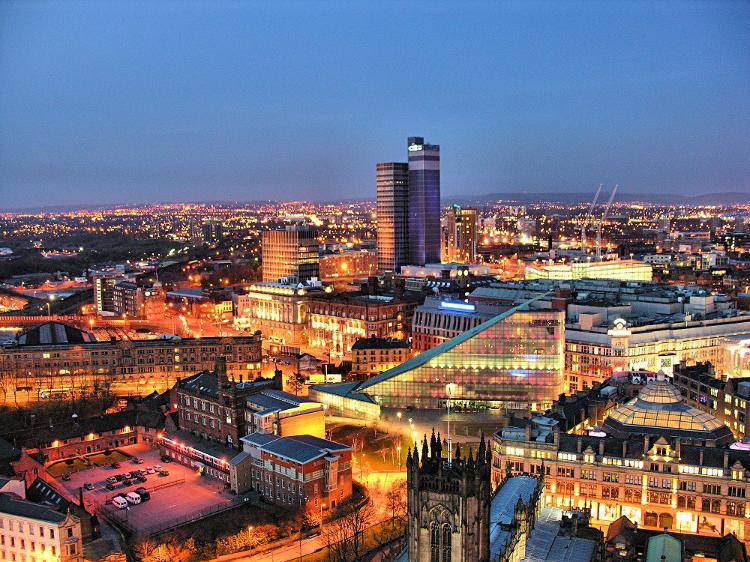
(295, 382)
(395, 499)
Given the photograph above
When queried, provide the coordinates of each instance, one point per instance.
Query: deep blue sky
(161, 101)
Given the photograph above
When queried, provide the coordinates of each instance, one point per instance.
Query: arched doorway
(651, 519)
(665, 521)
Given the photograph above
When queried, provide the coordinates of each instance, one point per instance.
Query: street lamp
(449, 389)
(49, 311)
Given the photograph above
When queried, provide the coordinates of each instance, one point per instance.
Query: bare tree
(295, 382)
(396, 499)
(7, 380)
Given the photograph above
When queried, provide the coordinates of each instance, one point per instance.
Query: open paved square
(174, 498)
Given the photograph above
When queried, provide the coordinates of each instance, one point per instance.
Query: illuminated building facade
(461, 235)
(292, 253)
(594, 352)
(33, 531)
(337, 321)
(728, 400)
(656, 479)
(345, 266)
(302, 472)
(392, 185)
(737, 356)
(213, 407)
(438, 320)
(513, 361)
(424, 202)
(371, 356)
(622, 270)
(56, 360)
(278, 310)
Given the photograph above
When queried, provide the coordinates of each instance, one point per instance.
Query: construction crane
(604, 217)
(587, 217)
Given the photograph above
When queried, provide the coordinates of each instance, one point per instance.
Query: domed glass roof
(659, 405)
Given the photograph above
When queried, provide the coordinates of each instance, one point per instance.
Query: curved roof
(659, 408)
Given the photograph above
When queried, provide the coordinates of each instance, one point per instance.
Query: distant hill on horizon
(724, 198)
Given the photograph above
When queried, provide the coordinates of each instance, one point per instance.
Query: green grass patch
(102, 458)
(59, 468)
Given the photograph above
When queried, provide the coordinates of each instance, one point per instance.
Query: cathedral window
(434, 542)
(447, 543)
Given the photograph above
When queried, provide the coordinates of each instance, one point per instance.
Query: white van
(119, 502)
(133, 498)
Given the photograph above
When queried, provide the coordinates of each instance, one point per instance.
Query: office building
(371, 356)
(278, 310)
(439, 320)
(104, 287)
(424, 202)
(408, 208)
(461, 235)
(337, 320)
(33, 531)
(392, 184)
(292, 253)
(669, 470)
(347, 266)
(513, 361)
(302, 472)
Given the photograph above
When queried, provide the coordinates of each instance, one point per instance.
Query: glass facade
(424, 202)
(514, 360)
(293, 252)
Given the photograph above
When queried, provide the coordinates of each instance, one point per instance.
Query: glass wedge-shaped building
(512, 361)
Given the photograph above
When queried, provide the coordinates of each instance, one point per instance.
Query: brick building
(371, 356)
(301, 472)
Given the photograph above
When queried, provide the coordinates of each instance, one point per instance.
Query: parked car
(115, 465)
(127, 482)
(111, 486)
(157, 467)
(163, 473)
(119, 502)
(88, 486)
(133, 498)
(128, 475)
(142, 479)
(144, 493)
(150, 470)
(119, 477)
(167, 459)
(66, 476)
(136, 460)
(111, 479)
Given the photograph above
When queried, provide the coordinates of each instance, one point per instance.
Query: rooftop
(54, 333)
(299, 448)
(30, 510)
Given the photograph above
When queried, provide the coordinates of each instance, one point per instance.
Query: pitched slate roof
(299, 448)
(54, 333)
(23, 508)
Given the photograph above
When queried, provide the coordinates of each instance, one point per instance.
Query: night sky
(105, 102)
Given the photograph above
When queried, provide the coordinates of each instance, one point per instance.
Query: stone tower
(448, 504)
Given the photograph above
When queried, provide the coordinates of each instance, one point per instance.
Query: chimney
(678, 448)
(579, 445)
(556, 435)
(726, 459)
(527, 432)
(624, 448)
(700, 459)
(601, 447)
(645, 444)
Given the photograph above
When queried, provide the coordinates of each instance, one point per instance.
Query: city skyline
(522, 97)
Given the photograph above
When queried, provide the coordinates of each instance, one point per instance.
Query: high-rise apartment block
(292, 253)
(461, 235)
(408, 206)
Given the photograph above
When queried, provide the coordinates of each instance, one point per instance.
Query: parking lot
(174, 498)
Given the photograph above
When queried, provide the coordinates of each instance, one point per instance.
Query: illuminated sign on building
(460, 306)
(415, 148)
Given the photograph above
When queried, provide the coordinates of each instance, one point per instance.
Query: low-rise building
(279, 413)
(371, 356)
(31, 531)
(213, 407)
(55, 360)
(300, 473)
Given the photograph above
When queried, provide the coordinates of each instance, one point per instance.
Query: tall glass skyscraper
(424, 202)
(292, 252)
(408, 206)
(392, 182)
